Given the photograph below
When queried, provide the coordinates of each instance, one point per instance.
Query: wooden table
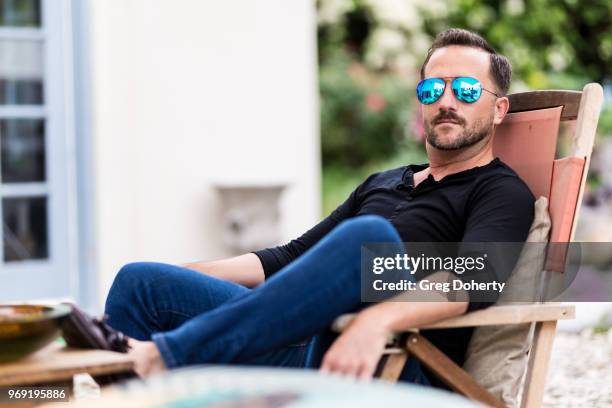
(57, 363)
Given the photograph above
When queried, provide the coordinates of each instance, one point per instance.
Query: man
(184, 317)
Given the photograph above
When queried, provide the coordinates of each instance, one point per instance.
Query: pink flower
(375, 102)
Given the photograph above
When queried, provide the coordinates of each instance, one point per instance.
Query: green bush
(546, 40)
(363, 113)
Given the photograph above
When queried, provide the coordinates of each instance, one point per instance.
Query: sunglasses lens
(430, 90)
(467, 89)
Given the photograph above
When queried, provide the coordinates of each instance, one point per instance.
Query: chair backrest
(527, 142)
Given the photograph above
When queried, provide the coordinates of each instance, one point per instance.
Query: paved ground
(580, 374)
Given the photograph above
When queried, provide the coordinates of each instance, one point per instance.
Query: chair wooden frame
(584, 107)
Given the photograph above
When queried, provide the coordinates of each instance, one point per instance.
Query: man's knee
(127, 282)
(127, 298)
(131, 274)
(370, 228)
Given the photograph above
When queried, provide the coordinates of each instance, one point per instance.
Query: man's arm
(252, 269)
(357, 351)
(244, 269)
(400, 316)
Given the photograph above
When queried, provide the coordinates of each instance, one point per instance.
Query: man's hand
(147, 360)
(357, 351)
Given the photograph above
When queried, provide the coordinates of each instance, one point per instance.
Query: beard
(468, 137)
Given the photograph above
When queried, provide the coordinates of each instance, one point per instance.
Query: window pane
(20, 13)
(21, 72)
(22, 150)
(24, 229)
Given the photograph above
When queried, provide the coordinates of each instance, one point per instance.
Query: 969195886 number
(8, 394)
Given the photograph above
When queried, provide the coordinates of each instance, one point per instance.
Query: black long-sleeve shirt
(489, 203)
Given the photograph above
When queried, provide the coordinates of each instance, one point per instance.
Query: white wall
(190, 92)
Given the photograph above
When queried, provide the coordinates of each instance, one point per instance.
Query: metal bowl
(25, 329)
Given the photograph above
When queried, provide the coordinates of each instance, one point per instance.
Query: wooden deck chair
(527, 142)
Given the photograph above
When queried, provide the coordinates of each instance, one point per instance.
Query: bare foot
(146, 356)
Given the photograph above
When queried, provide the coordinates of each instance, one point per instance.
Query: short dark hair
(500, 69)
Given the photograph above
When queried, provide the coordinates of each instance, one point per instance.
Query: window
(35, 161)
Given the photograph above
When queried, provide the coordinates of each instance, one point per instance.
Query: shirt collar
(408, 175)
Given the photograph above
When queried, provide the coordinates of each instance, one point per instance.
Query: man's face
(449, 123)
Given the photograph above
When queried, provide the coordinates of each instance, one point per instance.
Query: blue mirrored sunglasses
(465, 89)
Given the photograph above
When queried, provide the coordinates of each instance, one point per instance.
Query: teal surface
(274, 387)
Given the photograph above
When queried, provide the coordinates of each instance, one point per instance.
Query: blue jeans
(194, 318)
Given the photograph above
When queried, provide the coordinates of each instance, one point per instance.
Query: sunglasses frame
(452, 80)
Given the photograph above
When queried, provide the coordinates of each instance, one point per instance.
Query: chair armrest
(494, 315)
